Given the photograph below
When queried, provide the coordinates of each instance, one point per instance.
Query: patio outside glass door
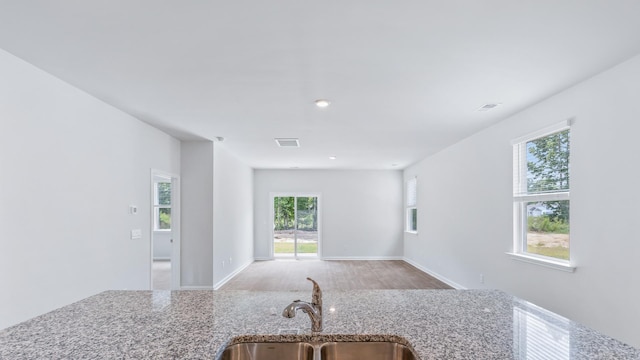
(295, 226)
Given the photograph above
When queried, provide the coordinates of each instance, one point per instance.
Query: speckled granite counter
(439, 324)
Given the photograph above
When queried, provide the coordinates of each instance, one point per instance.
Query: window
(412, 209)
(541, 195)
(162, 206)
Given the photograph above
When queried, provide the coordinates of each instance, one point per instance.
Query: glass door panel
(284, 225)
(307, 226)
(295, 226)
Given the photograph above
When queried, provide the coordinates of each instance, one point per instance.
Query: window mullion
(542, 197)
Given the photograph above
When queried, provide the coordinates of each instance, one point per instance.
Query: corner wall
(361, 211)
(70, 166)
(232, 215)
(196, 193)
(465, 207)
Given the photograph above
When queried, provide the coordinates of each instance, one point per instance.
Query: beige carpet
(336, 275)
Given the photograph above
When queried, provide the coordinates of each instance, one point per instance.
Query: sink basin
(318, 350)
(365, 350)
(268, 351)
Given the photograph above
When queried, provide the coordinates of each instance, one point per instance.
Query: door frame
(272, 196)
(175, 227)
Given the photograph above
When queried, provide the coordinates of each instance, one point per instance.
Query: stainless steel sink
(365, 350)
(269, 351)
(322, 351)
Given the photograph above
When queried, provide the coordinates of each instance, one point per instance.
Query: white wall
(232, 215)
(196, 191)
(361, 211)
(70, 166)
(465, 207)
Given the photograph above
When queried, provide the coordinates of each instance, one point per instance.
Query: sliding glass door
(295, 226)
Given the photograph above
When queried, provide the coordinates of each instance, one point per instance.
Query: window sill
(411, 232)
(557, 265)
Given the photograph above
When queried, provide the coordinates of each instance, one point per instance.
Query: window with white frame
(412, 206)
(162, 206)
(541, 194)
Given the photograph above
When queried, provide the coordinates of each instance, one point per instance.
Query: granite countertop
(438, 324)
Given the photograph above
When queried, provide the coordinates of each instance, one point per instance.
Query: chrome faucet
(313, 309)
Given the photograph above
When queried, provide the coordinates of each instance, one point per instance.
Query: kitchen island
(438, 324)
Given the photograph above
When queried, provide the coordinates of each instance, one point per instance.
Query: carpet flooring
(285, 275)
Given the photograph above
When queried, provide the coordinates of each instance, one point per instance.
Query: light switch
(133, 210)
(136, 233)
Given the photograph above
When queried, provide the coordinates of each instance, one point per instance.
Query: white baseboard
(219, 284)
(160, 258)
(262, 258)
(435, 275)
(196, 287)
(362, 258)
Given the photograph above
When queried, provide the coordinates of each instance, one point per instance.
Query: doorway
(296, 226)
(165, 234)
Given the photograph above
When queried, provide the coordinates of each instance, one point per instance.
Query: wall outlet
(481, 278)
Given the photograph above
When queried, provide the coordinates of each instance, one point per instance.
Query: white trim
(219, 284)
(262, 258)
(563, 125)
(445, 280)
(363, 258)
(411, 232)
(546, 262)
(162, 258)
(196, 287)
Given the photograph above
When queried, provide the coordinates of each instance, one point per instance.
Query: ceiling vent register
(287, 142)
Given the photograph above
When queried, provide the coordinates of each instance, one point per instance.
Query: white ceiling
(405, 78)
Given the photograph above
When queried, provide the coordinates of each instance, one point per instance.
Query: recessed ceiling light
(487, 107)
(332, 157)
(322, 103)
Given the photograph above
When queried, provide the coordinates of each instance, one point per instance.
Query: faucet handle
(316, 298)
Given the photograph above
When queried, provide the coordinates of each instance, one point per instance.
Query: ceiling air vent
(487, 107)
(288, 142)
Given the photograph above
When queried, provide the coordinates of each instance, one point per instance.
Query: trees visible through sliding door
(295, 226)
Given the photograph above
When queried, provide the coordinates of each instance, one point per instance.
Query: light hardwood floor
(161, 275)
(284, 275)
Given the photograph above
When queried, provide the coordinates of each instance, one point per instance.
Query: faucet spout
(313, 309)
